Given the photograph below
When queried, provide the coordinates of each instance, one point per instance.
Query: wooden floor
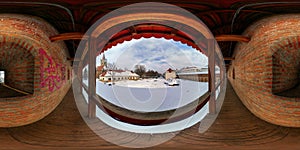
(234, 128)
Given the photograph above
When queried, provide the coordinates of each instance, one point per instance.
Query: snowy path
(151, 96)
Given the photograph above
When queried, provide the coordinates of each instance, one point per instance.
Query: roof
(119, 73)
(99, 68)
(170, 70)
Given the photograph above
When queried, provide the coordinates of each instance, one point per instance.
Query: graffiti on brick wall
(53, 75)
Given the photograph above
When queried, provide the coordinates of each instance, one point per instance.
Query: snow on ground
(148, 95)
(144, 83)
(86, 82)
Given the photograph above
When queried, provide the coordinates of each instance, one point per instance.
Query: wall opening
(194, 31)
(18, 66)
(2, 76)
(286, 71)
(153, 71)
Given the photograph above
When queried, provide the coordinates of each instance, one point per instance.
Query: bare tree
(140, 70)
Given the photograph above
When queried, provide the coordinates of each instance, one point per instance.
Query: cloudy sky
(155, 54)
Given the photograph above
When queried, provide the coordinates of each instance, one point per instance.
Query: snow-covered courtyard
(144, 83)
(151, 95)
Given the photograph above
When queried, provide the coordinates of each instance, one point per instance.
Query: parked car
(110, 83)
(172, 82)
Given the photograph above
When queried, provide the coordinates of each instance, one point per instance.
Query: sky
(155, 54)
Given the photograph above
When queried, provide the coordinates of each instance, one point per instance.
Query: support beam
(238, 38)
(79, 75)
(211, 75)
(92, 77)
(68, 36)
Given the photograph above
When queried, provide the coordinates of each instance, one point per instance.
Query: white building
(189, 69)
(117, 75)
(170, 74)
(196, 74)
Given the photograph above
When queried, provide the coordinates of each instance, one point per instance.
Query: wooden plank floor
(234, 128)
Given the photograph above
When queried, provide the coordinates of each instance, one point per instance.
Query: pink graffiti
(52, 74)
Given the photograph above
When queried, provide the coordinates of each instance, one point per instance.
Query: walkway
(235, 128)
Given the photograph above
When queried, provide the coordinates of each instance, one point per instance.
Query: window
(2, 77)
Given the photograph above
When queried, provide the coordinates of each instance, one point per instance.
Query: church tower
(104, 61)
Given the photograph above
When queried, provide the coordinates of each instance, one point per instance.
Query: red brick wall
(49, 68)
(269, 63)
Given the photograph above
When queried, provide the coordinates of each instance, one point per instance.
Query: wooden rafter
(68, 36)
(238, 38)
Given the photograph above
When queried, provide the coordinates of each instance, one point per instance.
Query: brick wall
(27, 41)
(269, 63)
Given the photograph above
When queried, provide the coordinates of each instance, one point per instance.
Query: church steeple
(104, 61)
(103, 57)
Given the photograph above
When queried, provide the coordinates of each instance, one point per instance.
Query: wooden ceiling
(223, 17)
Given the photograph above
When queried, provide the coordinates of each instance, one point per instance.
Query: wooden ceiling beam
(238, 38)
(68, 36)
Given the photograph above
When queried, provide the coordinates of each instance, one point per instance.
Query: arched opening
(286, 69)
(17, 65)
(153, 71)
(149, 23)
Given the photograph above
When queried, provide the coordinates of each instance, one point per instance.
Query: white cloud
(155, 54)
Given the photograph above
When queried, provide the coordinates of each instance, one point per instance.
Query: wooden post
(79, 75)
(211, 75)
(92, 77)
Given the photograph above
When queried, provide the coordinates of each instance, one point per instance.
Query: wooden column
(211, 75)
(79, 75)
(92, 77)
